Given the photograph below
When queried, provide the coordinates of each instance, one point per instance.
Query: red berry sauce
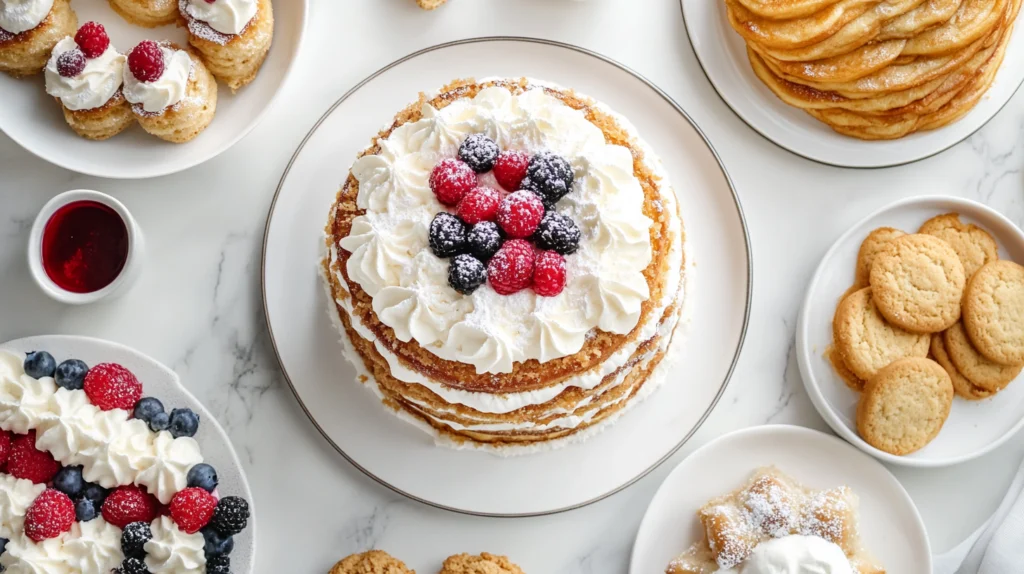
(85, 246)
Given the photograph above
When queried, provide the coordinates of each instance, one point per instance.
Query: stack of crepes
(877, 69)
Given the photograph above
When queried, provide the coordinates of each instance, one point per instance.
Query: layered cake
(505, 263)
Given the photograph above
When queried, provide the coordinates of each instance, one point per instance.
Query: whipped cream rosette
(17, 16)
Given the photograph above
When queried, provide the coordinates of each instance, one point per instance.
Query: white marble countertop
(197, 306)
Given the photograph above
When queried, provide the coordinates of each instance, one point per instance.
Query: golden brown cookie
(904, 406)
(483, 564)
(874, 243)
(979, 370)
(866, 342)
(962, 386)
(972, 244)
(917, 282)
(994, 312)
(372, 562)
(842, 370)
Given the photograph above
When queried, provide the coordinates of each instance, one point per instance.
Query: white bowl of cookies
(911, 337)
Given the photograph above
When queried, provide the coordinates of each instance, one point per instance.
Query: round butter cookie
(972, 244)
(372, 562)
(873, 244)
(842, 370)
(982, 372)
(905, 405)
(866, 342)
(917, 282)
(483, 564)
(962, 386)
(994, 312)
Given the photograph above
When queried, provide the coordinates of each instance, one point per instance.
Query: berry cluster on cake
(95, 478)
(505, 263)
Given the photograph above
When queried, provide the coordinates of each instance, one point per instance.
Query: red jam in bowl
(85, 246)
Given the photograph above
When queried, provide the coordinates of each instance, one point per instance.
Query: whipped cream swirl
(16, 495)
(224, 16)
(167, 472)
(169, 89)
(17, 16)
(94, 86)
(174, 551)
(24, 401)
(93, 547)
(23, 556)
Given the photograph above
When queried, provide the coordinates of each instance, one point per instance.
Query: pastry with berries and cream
(147, 13)
(29, 30)
(85, 74)
(505, 263)
(232, 36)
(173, 95)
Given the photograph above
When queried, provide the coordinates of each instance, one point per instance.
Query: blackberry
(218, 565)
(549, 176)
(557, 233)
(484, 240)
(134, 538)
(447, 235)
(134, 565)
(466, 273)
(231, 515)
(479, 152)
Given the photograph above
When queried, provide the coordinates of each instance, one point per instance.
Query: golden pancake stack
(877, 69)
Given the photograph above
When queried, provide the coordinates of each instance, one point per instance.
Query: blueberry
(71, 374)
(557, 233)
(218, 565)
(95, 493)
(447, 235)
(85, 510)
(549, 176)
(184, 422)
(160, 421)
(484, 240)
(216, 545)
(134, 538)
(69, 481)
(204, 476)
(147, 408)
(479, 152)
(3, 545)
(466, 273)
(39, 364)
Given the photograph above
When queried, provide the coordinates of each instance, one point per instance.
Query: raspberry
(511, 268)
(549, 274)
(480, 204)
(92, 39)
(510, 168)
(111, 386)
(49, 516)
(129, 504)
(5, 447)
(450, 180)
(25, 461)
(146, 61)
(70, 63)
(520, 213)
(479, 152)
(192, 509)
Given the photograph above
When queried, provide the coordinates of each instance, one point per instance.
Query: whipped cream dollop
(167, 473)
(796, 554)
(93, 547)
(174, 551)
(23, 556)
(24, 401)
(167, 90)
(17, 16)
(16, 495)
(94, 86)
(224, 16)
(391, 259)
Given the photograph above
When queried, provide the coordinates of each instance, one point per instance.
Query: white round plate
(31, 118)
(160, 382)
(890, 525)
(723, 56)
(974, 427)
(386, 448)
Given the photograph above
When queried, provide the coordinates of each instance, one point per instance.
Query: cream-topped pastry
(229, 17)
(165, 83)
(233, 36)
(17, 16)
(29, 30)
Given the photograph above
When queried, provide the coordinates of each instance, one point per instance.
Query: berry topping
(203, 476)
(3, 545)
(129, 504)
(558, 233)
(146, 61)
(218, 565)
(511, 268)
(85, 510)
(231, 516)
(49, 516)
(39, 364)
(134, 565)
(447, 235)
(466, 273)
(479, 152)
(5, 447)
(216, 544)
(69, 481)
(480, 204)
(70, 63)
(134, 538)
(92, 39)
(484, 240)
(159, 422)
(192, 509)
(510, 168)
(549, 274)
(111, 386)
(520, 213)
(184, 422)
(71, 374)
(30, 463)
(147, 408)
(550, 176)
(450, 180)
(95, 493)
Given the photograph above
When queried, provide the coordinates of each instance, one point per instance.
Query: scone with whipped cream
(29, 30)
(173, 94)
(505, 263)
(232, 36)
(147, 13)
(85, 74)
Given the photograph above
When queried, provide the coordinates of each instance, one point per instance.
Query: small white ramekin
(120, 283)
